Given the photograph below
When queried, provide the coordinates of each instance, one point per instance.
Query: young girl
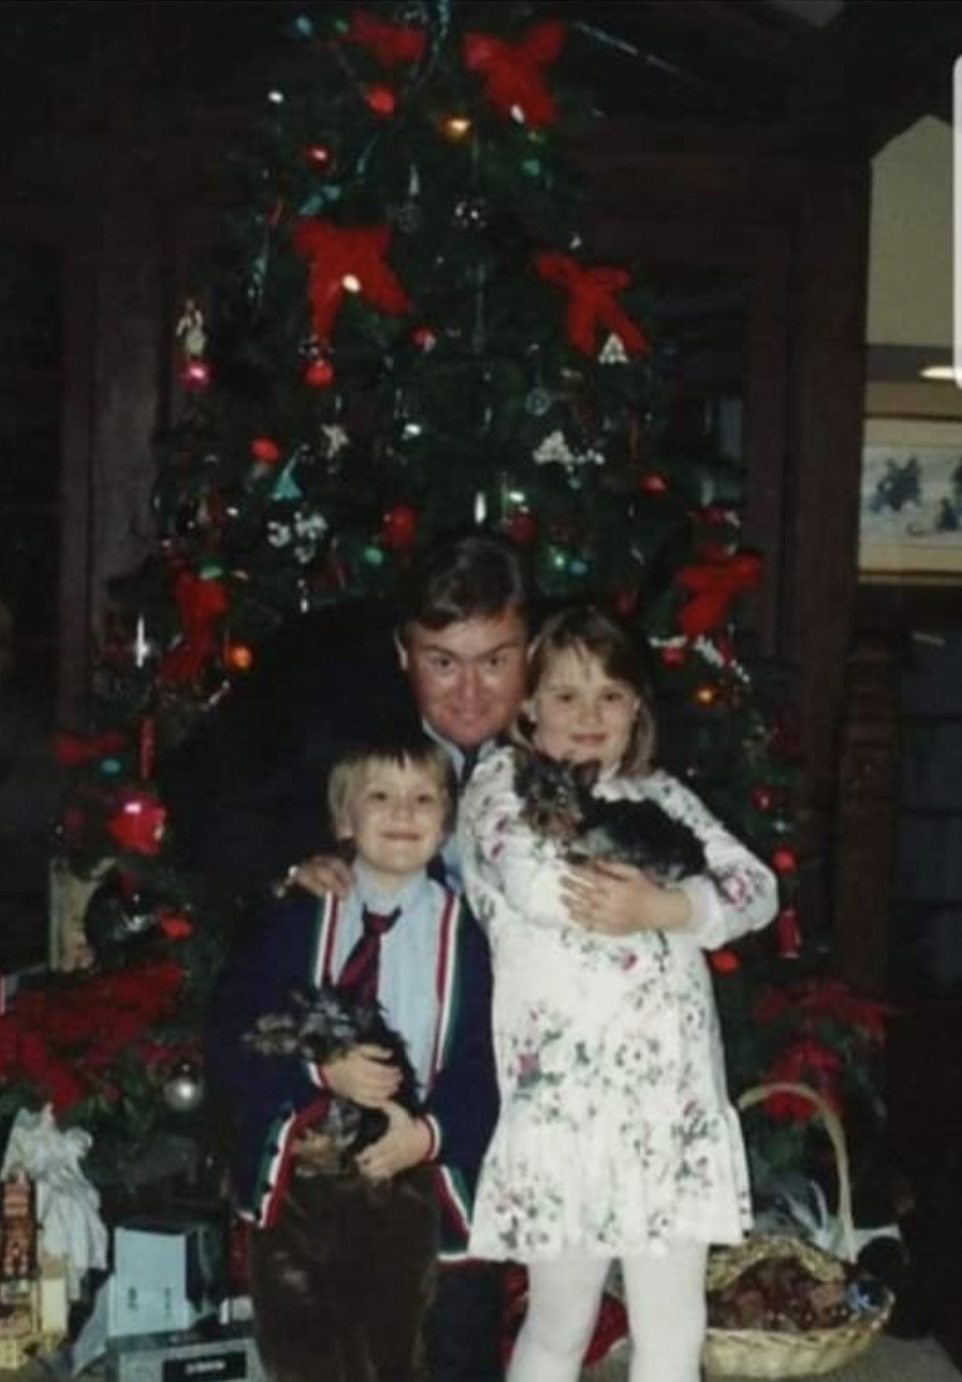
(616, 1138)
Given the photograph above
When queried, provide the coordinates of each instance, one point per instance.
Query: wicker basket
(784, 1353)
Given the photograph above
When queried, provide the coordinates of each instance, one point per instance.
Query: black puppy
(320, 1026)
(349, 1270)
(557, 801)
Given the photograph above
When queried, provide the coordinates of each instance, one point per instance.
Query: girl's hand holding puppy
(619, 900)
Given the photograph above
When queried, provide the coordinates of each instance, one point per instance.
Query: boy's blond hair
(417, 750)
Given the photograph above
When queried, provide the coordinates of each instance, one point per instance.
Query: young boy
(394, 803)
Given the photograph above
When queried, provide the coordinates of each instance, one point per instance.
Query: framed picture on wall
(910, 509)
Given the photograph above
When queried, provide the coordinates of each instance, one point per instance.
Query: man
(246, 795)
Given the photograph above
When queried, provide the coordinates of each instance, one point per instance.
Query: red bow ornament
(713, 586)
(200, 602)
(347, 258)
(591, 302)
(76, 750)
(512, 72)
(389, 44)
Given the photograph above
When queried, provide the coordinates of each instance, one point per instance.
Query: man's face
(468, 678)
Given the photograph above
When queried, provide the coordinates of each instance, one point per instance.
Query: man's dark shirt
(246, 793)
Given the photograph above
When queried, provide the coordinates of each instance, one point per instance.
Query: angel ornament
(191, 331)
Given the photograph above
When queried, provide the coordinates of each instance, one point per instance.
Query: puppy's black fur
(322, 1025)
(558, 802)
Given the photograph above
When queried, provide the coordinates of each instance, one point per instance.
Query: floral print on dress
(616, 1134)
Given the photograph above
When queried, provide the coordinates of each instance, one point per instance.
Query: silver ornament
(183, 1087)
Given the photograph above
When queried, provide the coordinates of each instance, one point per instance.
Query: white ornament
(278, 534)
(613, 352)
(191, 330)
(554, 448)
(336, 438)
(309, 528)
(310, 525)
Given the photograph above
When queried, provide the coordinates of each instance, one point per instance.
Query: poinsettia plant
(91, 1045)
(810, 1030)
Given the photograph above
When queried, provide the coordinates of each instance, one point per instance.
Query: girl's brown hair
(589, 631)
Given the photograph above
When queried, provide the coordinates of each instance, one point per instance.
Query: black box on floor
(224, 1354)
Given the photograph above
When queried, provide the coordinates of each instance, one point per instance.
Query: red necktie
(359, 977)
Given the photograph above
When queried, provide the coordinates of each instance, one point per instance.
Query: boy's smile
(396, 819)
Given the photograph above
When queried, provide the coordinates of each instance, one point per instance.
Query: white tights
(665, 1300)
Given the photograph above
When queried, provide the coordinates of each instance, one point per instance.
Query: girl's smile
(582, 714)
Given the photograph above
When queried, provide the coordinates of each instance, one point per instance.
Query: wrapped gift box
(168, 1275)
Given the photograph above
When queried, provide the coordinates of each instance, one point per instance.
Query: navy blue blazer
(271, 1098)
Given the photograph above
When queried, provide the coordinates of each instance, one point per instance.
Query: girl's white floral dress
(616, 1135)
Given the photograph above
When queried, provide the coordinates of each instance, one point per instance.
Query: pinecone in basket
(779, 1294)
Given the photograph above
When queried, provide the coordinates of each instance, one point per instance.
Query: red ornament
(784, 860)
(265, 450)
(788, 934)
(513, 72)
(674, 655)
(138, 823)
(424, 338)
(343, 256)
(762, 798)
(175, 926)
(195, 374)
(522, 528)
(380, 99)
(389, 44)
(319, 155)
(399, 527)
(591, 302)
(653, 483)
(724, 961)
(319, 373)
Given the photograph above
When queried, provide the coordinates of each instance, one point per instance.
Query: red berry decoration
(784, 860)
(319, 156)
(788, 933)
(265, 450)
(381, 99)
(653, 483)
(399, 527)
(319, 373)
(195, 374)
(762, 798)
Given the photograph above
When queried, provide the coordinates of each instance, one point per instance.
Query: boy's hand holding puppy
(363, 1075)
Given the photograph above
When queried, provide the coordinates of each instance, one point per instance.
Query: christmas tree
(410, 333)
